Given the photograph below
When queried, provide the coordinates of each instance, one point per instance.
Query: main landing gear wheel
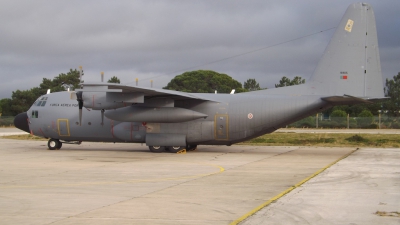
(175, 149)
(54, 144)
(191, 147)
(157, 149)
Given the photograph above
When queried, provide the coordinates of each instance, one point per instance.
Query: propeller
(80, 104)
(102, 117)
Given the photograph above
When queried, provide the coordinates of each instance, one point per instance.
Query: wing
(146, 93)
(136, 104)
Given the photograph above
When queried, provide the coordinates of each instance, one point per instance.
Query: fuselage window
(36, 114)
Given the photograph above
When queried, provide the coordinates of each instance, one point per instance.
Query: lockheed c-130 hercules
(348, 73)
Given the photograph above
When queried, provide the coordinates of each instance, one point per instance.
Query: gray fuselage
(230, 118)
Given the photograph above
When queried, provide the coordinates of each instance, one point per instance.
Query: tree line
(21, 101)
(200, 81)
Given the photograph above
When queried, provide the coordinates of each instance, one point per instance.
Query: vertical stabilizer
(351, 64)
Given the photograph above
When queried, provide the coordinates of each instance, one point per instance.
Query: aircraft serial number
(64, 105)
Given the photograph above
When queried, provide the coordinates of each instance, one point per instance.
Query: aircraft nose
(21, 122)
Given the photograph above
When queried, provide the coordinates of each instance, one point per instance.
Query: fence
(377, 122)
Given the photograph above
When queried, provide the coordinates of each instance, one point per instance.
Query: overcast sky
(158, 40)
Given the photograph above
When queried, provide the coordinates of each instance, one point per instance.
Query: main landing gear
(54, 144)
(157, 149)
(173, 149)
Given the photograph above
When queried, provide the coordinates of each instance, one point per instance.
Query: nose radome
(21, 122)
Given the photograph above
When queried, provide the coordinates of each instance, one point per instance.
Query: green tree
(21, 101)
(355, 110)
(287, 82)
(365, 118)
(5, 104)
(339, 117)
(251, 85)
(392, 90)
(204, 81)
(61, 82)
(114, 79)
(338, 113)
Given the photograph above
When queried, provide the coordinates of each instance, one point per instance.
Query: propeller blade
(80, 117)
(80, 104)
(102, 117)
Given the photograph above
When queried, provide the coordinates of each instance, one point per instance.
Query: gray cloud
(160, 39)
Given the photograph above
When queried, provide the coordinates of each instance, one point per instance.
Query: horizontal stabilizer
(348, 99)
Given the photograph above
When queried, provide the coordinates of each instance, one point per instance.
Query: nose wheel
(54, 144)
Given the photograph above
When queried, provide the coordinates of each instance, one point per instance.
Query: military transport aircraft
(348, 73)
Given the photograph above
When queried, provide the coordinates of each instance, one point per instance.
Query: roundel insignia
(250, 116)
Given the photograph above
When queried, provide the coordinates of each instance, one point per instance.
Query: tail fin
(351, 64)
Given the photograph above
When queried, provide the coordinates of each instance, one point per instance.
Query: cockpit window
(35, 114)
(41, 102)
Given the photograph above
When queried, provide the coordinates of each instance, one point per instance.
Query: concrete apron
(101, 183)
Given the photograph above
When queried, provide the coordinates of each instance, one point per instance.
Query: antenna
(81, 75)
(102, 77)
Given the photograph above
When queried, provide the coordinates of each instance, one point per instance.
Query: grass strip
(326, 140)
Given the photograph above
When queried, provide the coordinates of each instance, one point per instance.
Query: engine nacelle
(153, 114)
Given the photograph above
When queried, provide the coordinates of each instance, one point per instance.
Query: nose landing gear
(54, 144)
